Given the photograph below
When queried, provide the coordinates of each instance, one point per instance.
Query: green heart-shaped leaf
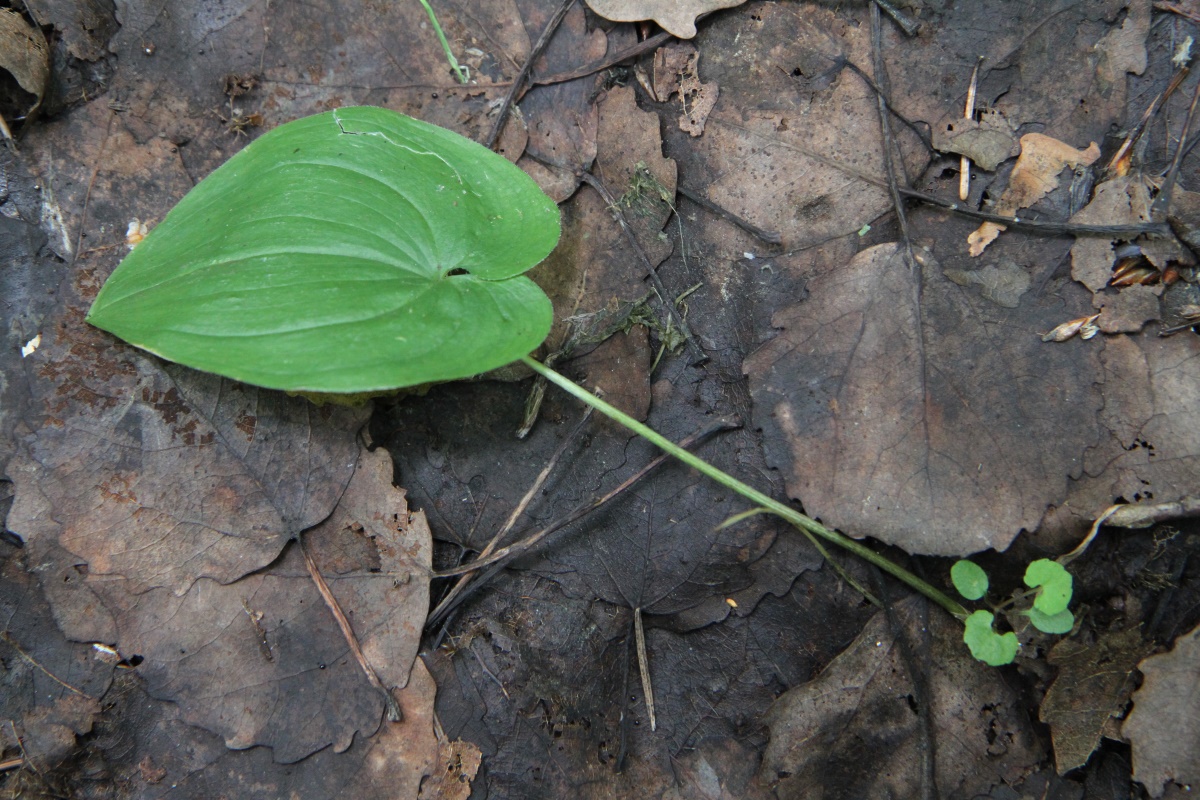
(1056, 586)
(1058, 624)
(987, 645)
(353, 251)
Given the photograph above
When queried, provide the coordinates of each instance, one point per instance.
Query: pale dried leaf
(24, 53)
(677, 17)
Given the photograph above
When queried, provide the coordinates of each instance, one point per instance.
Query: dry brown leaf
(677, 17)
(1091, 687)
(986, 141)
(1164, 726)
(24, 54)
(898, 412)
(676, 72)
(850, 732)
(1034, 176)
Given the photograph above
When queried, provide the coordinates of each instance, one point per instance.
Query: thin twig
(885, 131)
(633, 51)
(644, 666)
(536, 486)
(698, 356)
(770, 237)
(393, 708)
(1158, 210)
(519, 83)
(842, 61)
(1045, 227)
(907, 24)
(964, 168)
(13, 643)
(1175, 8)
(497, 560)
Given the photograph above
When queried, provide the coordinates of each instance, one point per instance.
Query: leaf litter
(756, 154)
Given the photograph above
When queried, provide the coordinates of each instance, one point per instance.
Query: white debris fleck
(30, 346)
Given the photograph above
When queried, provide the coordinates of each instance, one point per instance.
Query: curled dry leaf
(1034, 176)
(23, 52)
(986, 141)
(1066, 331)
(678, 17)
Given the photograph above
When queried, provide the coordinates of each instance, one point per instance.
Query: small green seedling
(362, 251)
(1049, 613)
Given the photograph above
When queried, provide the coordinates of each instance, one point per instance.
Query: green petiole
(460, 72)
(753, 495)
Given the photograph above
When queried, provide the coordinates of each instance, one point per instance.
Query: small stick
(907, 24)
(841, 61)
(13, 643)
(393, 708)
(519, 83)
(956, 206)
(644, 666)
(607, 62)
(964, 169)
(12, 763)
(770, 237)
(1114, 163)
(698, 356)
(1175, 8)
(500, 558)
(885, 131)
(1158, 210)
(537, 484)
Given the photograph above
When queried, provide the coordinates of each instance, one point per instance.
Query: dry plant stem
(11, 763)
(534, 488)
(964, 168)
(1158, 211)
(519, 83)
(497, 561)
(1067, 558)
(633, 51)
(697, 355)
(1140, 128)
(1048, 228)
(750, 493)
(1175, 8)
(13, 643)
(907, 24)
(885, 130)
(393, 708)
(644, 666)
(770, 237)
(874, 87)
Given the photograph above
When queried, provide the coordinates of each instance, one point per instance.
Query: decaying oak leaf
(1164, 726)
(261, 661)
(1091, 687)
(675, 72)
(897, 411)
(677, 17)
(1034, 176)
(821, 730)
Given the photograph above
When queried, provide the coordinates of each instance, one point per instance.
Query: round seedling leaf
(986, 645)
(357, 250)
(1055, 585)
(969, 579)
(1058, 624)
